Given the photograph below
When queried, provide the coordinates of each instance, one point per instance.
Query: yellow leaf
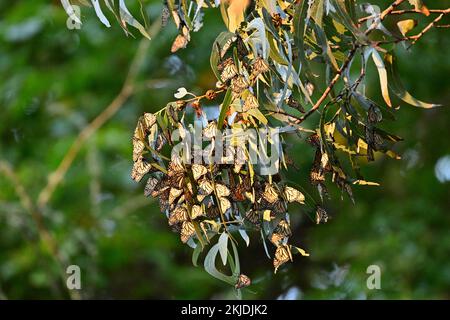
(235, 13)
(365, 183)
(383, 77)
(301, 251)
(266, 215)
(406, 25)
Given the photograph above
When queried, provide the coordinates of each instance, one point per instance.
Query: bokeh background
(55, 81)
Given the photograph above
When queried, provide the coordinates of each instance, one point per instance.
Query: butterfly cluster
(203, 200)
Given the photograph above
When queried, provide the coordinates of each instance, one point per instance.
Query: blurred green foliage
(54, 81)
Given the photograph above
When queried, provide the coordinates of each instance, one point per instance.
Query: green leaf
(198, 249)
(99, 13)
(258, 115)
(396, 85)
(274, 52)
(317, 12)
(383, 77)
(237, 265)
(326, 50)
(244, 236)
(350, 6)
(344, 18)
(224, 108)
(301, 11)
(223, 247)
(210, 266)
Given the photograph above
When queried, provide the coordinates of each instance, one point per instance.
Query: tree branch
(330, 86)
(429, 26)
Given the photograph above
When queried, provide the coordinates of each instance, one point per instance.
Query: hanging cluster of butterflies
(203, 200)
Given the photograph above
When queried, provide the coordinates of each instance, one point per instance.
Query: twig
(402, 12)
(330, 86)
(429, 26)
(55, 178)
(390, 9)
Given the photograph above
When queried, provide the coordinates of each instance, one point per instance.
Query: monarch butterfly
(270, 194)
(241, 48)
(250, 103)
(175, 166)
(316, 176)
(283, 228)
(242, 282)
(279, 207)
(176, 174)
(150, 186)
(293, 195)
(198, 170)
(212, 212)
(204, 227)
(140, 169)
(196, 211)
(238, 193)
(228, 70)
(238, 85)
(205, 187)
(324, 162)
(276, 239)
(149, 119)
(293, 103)
(277, 20)
(174, 194)
(321, 215)
(187, 231)
(374, 115)
(165, 14)
(160, 188)
(253, 216)
(241, 155)
(178, 215)
(225, 204)
(181, 40)
(210, 130)
(314, 140)
(258, 67)
(138, 148)
(222, 190)
(282, 255)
